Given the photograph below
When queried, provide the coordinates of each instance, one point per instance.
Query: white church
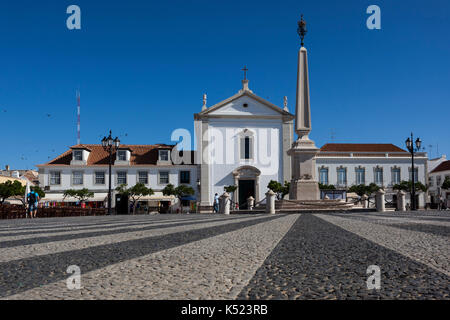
(243, 141)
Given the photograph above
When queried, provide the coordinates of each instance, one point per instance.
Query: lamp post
(110, 145)
(412, 149)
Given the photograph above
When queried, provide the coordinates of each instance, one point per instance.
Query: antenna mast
(78, 117)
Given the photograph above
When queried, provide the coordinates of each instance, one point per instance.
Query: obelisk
(304, 185)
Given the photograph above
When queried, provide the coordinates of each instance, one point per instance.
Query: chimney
(7, 167)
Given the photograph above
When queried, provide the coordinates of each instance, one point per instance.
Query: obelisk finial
(301, 30)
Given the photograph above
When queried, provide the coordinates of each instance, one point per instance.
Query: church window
(246, 147)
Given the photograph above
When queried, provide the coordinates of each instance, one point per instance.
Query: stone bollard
(250, 202)
(221, 204)
(226, 203)
(365, 201)
(401, 201)
(270, 202)
(380, 200)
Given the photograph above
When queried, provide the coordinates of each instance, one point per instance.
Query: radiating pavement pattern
(293, 256)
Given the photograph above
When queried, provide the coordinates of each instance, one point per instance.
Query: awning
(187, 198)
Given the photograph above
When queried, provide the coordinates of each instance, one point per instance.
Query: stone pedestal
(365, 201)
(401, 201)
(270, 202)
(226, 203)
(250, 202)
(380, 200)
(304, 185)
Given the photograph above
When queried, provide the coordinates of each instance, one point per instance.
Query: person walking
(216, 203)
(32, 200)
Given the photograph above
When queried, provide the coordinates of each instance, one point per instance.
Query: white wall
(225, 134)
(369, 164)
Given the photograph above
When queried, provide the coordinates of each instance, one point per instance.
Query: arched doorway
(246, 178)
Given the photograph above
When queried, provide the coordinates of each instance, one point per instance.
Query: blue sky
(143, 66)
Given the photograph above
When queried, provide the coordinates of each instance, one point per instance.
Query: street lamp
(110, 145)
(412, 149)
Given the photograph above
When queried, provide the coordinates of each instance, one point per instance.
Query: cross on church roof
(245, 72)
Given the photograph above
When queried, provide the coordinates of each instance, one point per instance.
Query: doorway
(246, 189)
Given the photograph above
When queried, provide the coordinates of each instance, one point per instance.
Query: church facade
(243, 142)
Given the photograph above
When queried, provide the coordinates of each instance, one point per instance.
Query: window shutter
(242, 147)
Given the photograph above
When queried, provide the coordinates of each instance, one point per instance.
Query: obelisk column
(304, 185)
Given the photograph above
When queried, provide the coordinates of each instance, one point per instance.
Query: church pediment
(245, 103)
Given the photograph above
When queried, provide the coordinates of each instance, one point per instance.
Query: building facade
(436, 178)
(86, 166)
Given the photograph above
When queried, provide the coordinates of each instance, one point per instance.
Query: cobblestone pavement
(293, 256)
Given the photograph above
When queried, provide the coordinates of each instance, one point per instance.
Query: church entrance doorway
(246, 189)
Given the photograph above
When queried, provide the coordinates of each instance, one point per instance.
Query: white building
(344, 165)
(242, 141)
(436, 178)
(86, 166)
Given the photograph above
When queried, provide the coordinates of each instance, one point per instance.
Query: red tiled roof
(443, 166)
(361, 147)
(140, 154)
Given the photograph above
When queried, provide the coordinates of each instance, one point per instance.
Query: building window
(143, 177)
(438, 181)
(430, 181)
(78, 155)
(323, 175)
(99, 177)
(121, 177)
(185, 177)
(246, 147)
(360, 176)
(164, 155)
(342, 176)
(121, 155)
(416, 175)
(395, 175)
(77, 178)
(163, 177)
(379, 176)
(55, 178)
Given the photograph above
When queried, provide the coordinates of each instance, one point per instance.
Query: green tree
(407, 186)
(39, 191)
(134, 193)
(82, 194)
(326, 187)
(446, 183)
(10, 189)
(278, 188)
(180, 191)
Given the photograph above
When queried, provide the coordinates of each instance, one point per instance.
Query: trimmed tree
(82, 194)
(181, 191)
(135, 193)
(446, 183)
(407, 186)
(278, 188)
(326, 186)
(10, 189)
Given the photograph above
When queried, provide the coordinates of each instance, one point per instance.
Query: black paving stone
(318, 260)
(24, 274)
